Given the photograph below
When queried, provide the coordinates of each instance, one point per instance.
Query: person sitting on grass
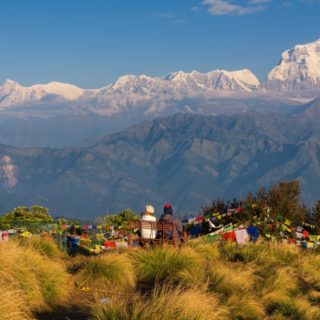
(148, 231)
(169, 217)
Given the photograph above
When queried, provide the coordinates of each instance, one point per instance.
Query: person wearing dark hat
(169, 217)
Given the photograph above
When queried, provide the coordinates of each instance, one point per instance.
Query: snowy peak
(12, 93)
(65, 90)
(299, 69)
(132, 82)
(242, 80)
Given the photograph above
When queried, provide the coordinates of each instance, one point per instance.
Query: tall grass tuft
(229, 279)
(280, 255)
(48, 248)
(161, 264)
(41, 282)
(279, 291)
(246, 307)
(108, 272)
(246, 254)
(165, 302)
(12, 302)
(210, 252)
(310, 271)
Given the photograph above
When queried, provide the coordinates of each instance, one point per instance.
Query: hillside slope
(185, 159)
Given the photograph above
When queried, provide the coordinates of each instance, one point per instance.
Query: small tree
(119, 219)
(284, 200)
(218, 205)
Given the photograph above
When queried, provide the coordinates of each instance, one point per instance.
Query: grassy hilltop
(200, 281)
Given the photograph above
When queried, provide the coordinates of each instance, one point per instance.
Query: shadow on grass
(71, 312)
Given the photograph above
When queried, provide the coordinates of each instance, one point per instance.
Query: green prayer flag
(211, 238)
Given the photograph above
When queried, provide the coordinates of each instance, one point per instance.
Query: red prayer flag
(229, 236)
(305, 233)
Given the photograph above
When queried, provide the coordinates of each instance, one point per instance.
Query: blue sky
(92, 42)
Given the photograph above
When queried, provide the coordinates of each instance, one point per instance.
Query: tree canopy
(25, 215)
(120, 219)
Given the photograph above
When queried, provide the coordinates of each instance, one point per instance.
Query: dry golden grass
(48, 248)
(12, 303)
(310, 270)
(108, 272)
(199, 281)
(231, 279)
(245, 307)
(208, 251)
(41, 282)
(165, 302)
(161, 264)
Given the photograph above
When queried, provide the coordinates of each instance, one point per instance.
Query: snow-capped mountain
(58, 114)
(299, 69)
(182, 83)
(131, 89)
(12, 93)
(242, 80)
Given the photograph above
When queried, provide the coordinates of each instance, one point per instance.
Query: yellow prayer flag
(287, 222)
(310, 245)
(285, 228)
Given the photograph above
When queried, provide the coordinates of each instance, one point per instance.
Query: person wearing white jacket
(148, 230)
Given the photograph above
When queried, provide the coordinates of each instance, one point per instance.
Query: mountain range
(185, 159)
(185, 138)
(60, 115)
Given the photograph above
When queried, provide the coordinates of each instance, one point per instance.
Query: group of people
(149, 216)
(148, 229)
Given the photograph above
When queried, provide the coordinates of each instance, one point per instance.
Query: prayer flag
(287, 222)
